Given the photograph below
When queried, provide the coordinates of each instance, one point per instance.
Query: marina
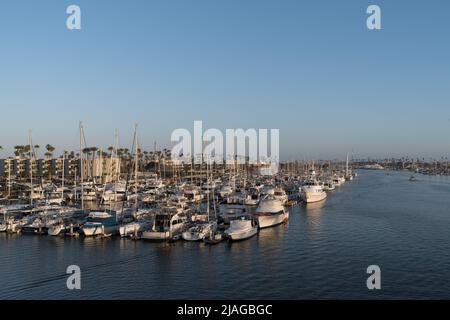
(322, 252)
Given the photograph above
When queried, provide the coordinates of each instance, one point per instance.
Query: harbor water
(379, 218)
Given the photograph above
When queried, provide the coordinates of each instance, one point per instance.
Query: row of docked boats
(158, 210)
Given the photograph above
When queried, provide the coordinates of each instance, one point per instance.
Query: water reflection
(313, 212)
(272, 236)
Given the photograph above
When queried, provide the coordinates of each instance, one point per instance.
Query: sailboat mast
(81, 166)
(136, 162)
(62, 180)
(31, 167)
(346, 167)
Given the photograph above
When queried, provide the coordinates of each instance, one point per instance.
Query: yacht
(329, 186)
(312, 191)
(240, 229)
(136, 227)
(271, 212)
(200, 231)
(166, 226)
(253, 197)
(338, 181)
(234, 208)
(280, 194)
(101, 223)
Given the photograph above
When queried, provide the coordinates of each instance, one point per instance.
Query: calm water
(322, 253)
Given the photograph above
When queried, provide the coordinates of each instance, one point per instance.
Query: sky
(309, 68)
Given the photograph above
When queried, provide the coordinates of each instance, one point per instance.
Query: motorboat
(199, 231)
(280, 194)
(270, 212)
(101, 223)
(253, 197)
(312, 191)
(241, 229)
(328, 186)
(166, 226)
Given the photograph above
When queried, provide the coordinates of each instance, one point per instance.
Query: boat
(271, 212)
(166, 226)
(412, 178)
(200, 231)
(312, 191)
(136, 227)
(4, 222)
(234, 208)
(100, 223)
(280, 194)
(37, 226)
(253, 197)
(55, 228)
(214, 238)
(328, 186)
(240, 229)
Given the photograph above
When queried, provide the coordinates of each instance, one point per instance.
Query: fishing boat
(241, 229)
(271, 212)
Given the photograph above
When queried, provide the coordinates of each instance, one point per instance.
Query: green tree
(50, 150)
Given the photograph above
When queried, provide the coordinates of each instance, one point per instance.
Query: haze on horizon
(311, 69)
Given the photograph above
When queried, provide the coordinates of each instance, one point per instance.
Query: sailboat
(202, 229)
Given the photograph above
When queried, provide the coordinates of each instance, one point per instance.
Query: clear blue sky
(309, 68)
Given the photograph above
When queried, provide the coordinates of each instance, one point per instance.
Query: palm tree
(50, 149)
(110, 149)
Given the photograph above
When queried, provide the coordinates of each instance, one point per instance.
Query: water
(323, 253)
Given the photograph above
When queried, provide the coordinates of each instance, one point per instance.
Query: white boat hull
(242, 235)
(270, 220)
(55, 230)
(310, 197)
(133, 228)
(99, 230)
